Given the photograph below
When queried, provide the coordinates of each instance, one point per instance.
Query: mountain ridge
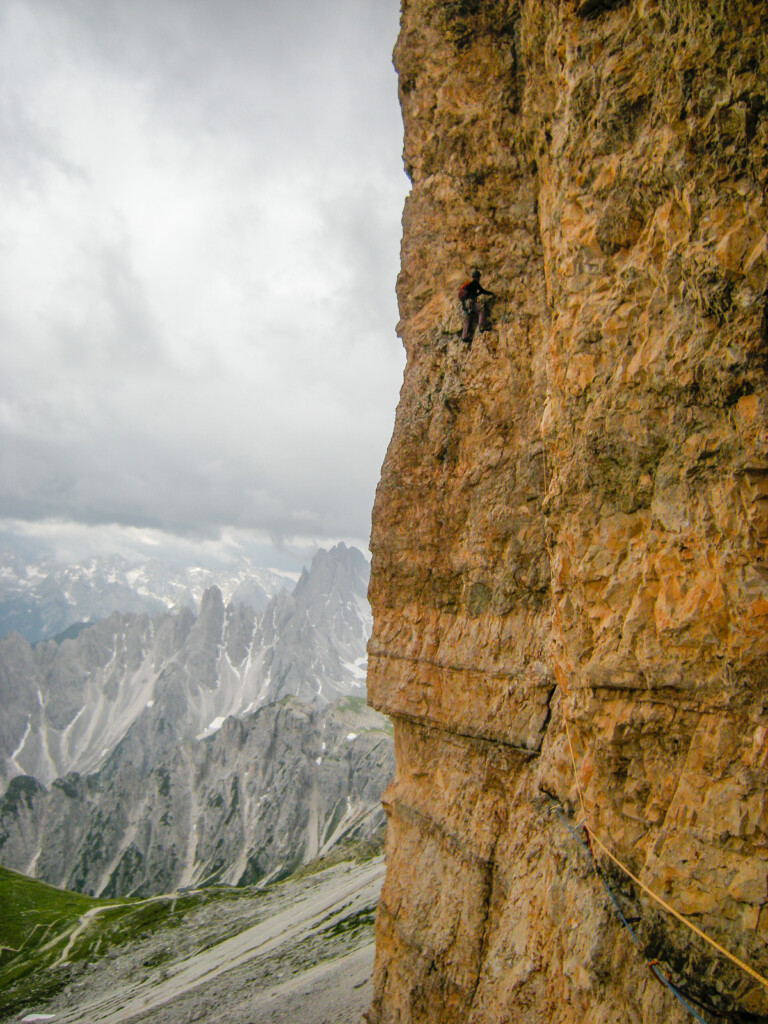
(147, 754)
(68, 704)
(42, 598)
(266, 793)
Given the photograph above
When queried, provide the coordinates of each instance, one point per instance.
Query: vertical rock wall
(572, 518)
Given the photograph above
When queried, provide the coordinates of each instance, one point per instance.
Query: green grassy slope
(44, 929)
(33, 912)
(49, 936)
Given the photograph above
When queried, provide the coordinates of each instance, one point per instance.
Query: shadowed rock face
(572, 516)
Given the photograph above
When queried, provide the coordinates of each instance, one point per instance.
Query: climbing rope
(593, 838)
(652, 964)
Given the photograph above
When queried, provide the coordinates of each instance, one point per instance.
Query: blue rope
(675, 992)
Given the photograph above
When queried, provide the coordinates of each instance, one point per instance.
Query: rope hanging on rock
(593, 838)
(651, 964)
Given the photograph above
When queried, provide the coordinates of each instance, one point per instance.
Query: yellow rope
(675, 913)
(575, 773)
(678, 915)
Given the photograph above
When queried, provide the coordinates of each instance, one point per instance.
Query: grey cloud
(199, 327)
(118, 320)
(30, 154)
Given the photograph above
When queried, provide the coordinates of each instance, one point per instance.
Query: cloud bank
(201, 206)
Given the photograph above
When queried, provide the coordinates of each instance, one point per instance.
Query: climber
(475, 313)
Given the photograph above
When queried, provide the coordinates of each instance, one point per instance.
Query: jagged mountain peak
(41, 598)
(339, 568)
(69, 704)
(269, 791)
(212, 600)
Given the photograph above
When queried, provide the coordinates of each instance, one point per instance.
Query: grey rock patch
(301, 951)
(263, 795)
(68, 705)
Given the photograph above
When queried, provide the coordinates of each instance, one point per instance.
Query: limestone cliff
(572, 520)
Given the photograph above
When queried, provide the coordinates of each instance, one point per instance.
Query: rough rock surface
(572, 520)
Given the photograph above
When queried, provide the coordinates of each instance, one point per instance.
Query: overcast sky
(200, 210)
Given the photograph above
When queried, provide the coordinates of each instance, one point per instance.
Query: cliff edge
(569, 578)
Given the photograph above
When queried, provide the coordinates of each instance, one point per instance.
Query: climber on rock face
(475, 313)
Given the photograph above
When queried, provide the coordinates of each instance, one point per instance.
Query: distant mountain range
(150, 752)
(41, 598)
(263, 795)
(67, 705)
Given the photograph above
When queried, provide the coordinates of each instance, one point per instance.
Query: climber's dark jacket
(470, 290)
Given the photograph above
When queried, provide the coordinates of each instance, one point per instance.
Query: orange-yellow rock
(570, 535)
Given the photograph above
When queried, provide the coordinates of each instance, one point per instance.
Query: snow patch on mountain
(68, 705)
(42, 599)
